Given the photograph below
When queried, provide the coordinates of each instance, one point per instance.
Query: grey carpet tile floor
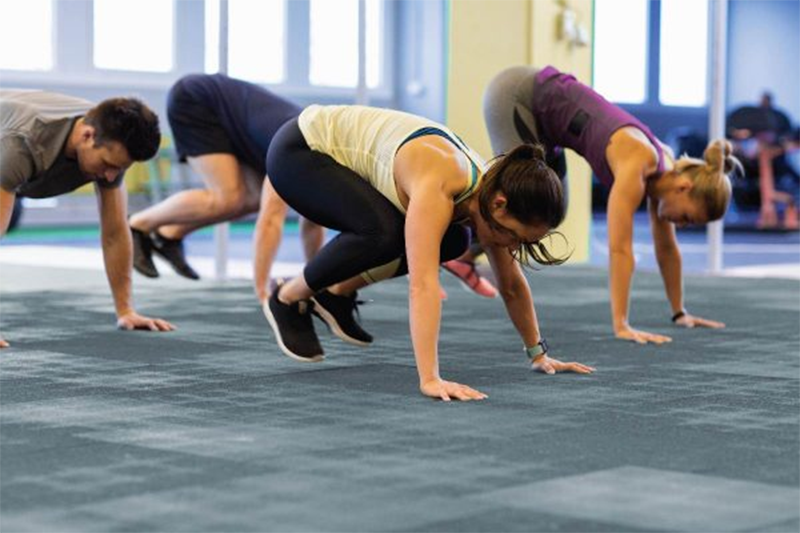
(210, 428)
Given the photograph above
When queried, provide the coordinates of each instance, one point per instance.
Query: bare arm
(669, 259)
(518, 300)
(118, 259)
(6, 208)
(429, 213)
(430, 172)
(267, 237)
(626, 195)
(516, 294)
(668, 256)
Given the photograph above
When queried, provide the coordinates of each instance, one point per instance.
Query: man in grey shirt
(52, 144)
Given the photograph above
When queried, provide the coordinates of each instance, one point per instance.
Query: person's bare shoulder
(629, 149)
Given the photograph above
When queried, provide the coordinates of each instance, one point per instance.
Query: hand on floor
(641, 337)
(548, 365)
(134, 320)
(690, 321)
(445, 390)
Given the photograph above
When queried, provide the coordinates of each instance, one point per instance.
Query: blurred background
(434, 58)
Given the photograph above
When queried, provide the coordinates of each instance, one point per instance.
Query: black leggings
(323, 191)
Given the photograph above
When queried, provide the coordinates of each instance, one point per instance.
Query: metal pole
(716, 125)
(362, 98)
(222, 230)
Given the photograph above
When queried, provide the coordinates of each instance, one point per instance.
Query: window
(667, 65)
(256, 40)
(26, 35)
(334, 43)
(135, 36)
(683, 71)
(620, 50)
(211, 18)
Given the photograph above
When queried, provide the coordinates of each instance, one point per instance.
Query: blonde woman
(524, 104)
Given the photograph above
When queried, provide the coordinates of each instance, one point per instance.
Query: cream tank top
(366, 139)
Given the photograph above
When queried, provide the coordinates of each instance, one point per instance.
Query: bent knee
(228, 203)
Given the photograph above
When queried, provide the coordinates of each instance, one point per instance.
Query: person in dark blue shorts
(223, 128)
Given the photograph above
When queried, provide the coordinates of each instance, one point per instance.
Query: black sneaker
(172, 251)
(143, 254)
(293, 329)
(339, 313)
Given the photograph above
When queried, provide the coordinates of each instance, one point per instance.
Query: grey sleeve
(16, 163)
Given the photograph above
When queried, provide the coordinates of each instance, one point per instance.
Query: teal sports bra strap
(460, 145)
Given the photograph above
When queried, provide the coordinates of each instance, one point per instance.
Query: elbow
(421, 287)
(666, 255)
(511, 291)
(620, 252)
(116, 237)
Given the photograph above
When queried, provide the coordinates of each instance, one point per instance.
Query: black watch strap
(537, 349)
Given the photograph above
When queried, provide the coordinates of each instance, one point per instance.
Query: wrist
(125, 311)
(538, 350)
(677, 315)
(429, 379)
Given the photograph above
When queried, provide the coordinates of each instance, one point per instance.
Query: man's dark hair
(127, 121)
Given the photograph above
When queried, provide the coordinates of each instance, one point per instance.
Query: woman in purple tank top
(524, 104)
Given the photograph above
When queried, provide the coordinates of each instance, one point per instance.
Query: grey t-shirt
(34, 128)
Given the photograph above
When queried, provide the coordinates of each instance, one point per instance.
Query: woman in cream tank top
(404, 192)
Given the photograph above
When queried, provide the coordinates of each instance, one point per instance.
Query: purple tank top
(571, 115)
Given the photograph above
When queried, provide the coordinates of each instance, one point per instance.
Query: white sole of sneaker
(326, 317)
(286, 351)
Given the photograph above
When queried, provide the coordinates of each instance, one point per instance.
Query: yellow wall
(487, 36)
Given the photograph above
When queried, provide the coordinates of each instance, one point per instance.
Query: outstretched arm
(669, 259)
(668, 256)
(268, 234)
(267, 237)
(518, 300)
(626, 195)
(429, 213)
(6, 208)
(118, 258)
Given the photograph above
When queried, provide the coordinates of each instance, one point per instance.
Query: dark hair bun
(527, 151)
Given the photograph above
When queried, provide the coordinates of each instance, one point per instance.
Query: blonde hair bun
(719, 156)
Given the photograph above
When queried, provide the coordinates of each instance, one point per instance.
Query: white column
(222, 230)
(362, 98)
(716, 125)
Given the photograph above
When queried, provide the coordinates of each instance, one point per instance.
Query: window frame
(652, 102)
(73, 61)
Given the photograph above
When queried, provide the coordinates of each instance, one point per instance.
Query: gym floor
(210, 428)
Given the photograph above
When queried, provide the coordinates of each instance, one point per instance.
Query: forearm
(313, 237)
(519, 305)
(6, 210)
(118, 259)
(425, 313)
(620, 274)
(670, 265)
(266, 241)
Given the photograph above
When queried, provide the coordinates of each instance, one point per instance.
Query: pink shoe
(467, 274)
